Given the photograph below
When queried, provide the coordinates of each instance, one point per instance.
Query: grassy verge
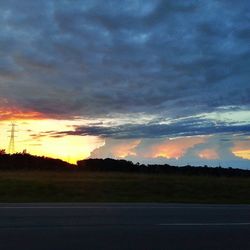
(37, 186)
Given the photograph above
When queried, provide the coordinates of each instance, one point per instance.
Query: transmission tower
(11, 148)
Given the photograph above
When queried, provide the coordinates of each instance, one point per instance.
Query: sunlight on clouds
(208, 154)
(17, 114)
(242, 149)
(41, 136)
(175, 148)
(116, 148)
(56, 138)
(126, 149)
(244, 154)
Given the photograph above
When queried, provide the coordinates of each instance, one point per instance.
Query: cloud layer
(90, 58)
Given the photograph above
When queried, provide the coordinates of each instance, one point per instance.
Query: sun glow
(38, 136)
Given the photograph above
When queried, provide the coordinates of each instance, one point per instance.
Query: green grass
(35, 186)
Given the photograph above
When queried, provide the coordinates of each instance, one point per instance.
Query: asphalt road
(124, 226)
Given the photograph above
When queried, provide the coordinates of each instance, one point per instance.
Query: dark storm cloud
(184, 127)
(96, 58)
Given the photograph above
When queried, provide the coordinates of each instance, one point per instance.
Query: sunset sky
(154, 81)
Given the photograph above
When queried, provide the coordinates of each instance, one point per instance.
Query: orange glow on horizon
(39, 137)
(44, 136)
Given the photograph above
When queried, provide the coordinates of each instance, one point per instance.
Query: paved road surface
(124, 226)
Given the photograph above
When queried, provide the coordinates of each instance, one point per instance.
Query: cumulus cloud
(197, 150)
(127, 148)
(116, 149)
(209, 154)
(172, 149)
(241, 148)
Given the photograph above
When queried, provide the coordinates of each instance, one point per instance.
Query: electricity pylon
(11, 148)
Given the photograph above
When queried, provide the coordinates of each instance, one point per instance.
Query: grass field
(35, 186)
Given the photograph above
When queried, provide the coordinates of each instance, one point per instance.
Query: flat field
(49, 186)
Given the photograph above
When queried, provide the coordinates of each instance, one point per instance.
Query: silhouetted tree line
(128, 166)
(30, 162)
